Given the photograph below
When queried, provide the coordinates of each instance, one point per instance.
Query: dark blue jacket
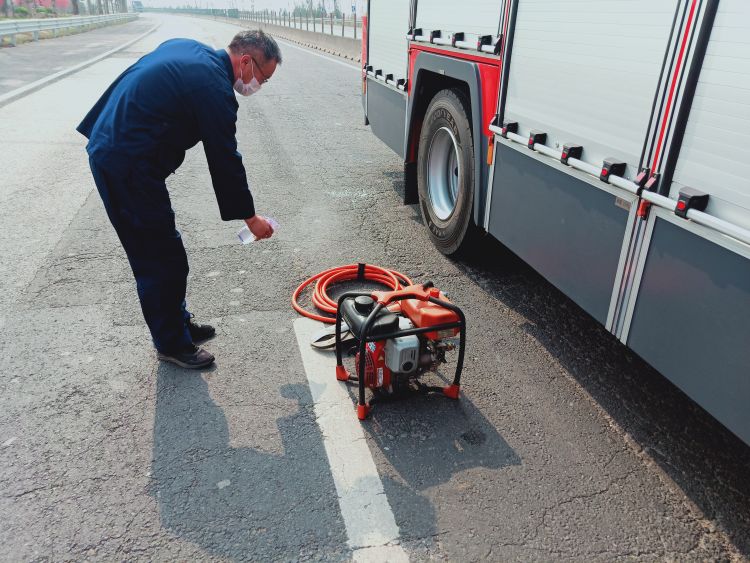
(175, 96)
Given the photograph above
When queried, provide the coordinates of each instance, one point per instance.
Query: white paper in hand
(246, 236)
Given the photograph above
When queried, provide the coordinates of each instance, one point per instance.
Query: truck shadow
(702, 457)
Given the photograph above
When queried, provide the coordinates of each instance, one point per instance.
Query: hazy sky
(259, 4)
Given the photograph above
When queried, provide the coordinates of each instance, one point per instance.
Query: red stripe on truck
(363, 57)
(673, 87)
(505, 23)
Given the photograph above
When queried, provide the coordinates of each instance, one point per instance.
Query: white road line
(311, 52)
(370, 525)
(23, 90)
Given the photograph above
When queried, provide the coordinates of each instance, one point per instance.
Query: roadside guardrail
(344, 25)
(337, 36)
(34, 26)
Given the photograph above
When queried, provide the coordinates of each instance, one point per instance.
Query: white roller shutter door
(715, 154)
(388, 25)
(472, 17)
(585, 72)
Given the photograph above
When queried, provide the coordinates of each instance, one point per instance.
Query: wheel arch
(432, 73)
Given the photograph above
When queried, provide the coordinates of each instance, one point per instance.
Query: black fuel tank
(356, 310)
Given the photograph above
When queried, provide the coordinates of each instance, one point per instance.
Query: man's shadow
(242, 503)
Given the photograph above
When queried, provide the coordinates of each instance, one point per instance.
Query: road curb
(39, 84)
(319, 48)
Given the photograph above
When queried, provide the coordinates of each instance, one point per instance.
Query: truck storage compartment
(689, 318)
(586, 73)
(715, 152)
(473, 18)
(581, 74)
(388, 23)
(387, 58)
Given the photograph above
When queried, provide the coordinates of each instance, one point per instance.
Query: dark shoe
(200, 333)
(190, 358)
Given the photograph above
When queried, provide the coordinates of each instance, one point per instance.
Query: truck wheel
(445, 172)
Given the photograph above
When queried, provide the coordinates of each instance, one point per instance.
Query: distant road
(32, 61)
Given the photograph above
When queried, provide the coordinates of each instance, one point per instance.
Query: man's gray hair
(256, 39)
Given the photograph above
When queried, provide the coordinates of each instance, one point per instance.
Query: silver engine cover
(402, 353)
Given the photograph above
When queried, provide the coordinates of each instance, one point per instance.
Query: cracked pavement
(565, 446)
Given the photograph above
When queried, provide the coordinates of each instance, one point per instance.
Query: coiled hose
(360, 272)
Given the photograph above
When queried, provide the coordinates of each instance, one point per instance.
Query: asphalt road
(565, 445)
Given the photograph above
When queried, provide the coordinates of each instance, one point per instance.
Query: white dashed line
(370, 525)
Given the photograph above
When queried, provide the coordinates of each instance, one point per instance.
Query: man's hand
(259, 226)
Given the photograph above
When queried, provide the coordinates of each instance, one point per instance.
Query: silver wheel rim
(443, 171)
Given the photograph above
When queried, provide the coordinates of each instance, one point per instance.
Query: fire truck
(607, 144)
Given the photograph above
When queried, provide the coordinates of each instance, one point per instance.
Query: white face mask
(247, 89)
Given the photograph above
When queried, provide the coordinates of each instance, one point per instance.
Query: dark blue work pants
(138, 206)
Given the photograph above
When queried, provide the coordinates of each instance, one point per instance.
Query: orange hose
(383, 276)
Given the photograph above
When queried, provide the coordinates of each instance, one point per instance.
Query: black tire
(446, 124)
